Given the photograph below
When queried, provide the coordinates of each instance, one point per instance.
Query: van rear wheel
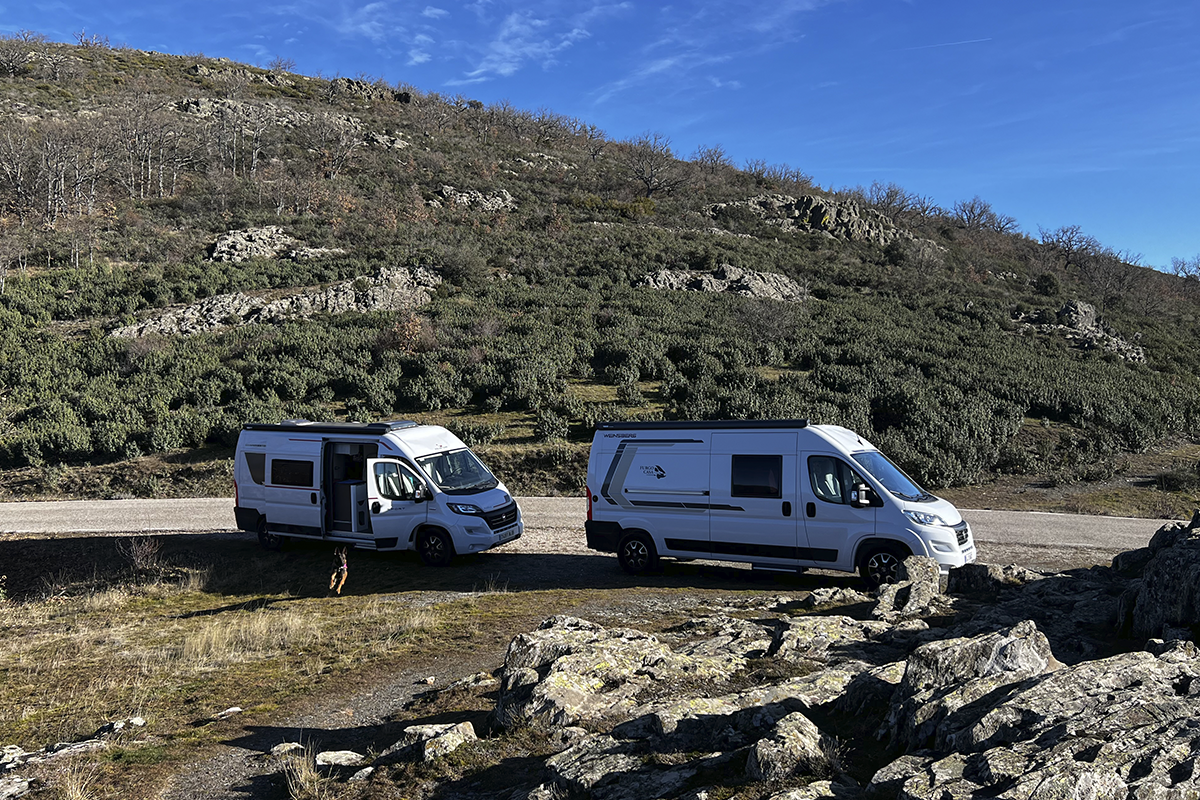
(880, 564)
(268, 540)
(435, 548)
(637, 554)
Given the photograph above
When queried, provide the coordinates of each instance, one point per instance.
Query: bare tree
(93, 40)
(281, 64)
(18, 49)
(18, 167)
(333, 140)
(595, 140)
(711, 159)
(1188, 268)
(54, 60)
(1071, 244)
(651, 162)
(977, 215)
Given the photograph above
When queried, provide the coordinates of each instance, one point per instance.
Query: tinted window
(891, 476)
(757, 476)
(257, 464)
(291, 473)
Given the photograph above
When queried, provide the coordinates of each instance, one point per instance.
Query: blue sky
(1058, 112)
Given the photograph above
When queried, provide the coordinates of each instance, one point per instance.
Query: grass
(222, 623)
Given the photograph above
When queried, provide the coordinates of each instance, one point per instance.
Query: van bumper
(246, 518)
(602, 536)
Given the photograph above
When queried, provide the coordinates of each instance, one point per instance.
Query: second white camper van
(780, 495)
(379, 486)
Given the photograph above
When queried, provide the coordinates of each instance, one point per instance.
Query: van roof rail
(722, 424)
(376, 428)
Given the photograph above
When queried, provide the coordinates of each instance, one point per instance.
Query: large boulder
(571, 670)
(1122, 727)
(944, 677)
(730, 280)
(1166, 603)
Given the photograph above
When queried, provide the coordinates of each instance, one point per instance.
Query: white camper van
(379, 486)
(782, 495)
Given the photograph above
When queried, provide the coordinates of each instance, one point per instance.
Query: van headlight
(925, 518)
(465, 508)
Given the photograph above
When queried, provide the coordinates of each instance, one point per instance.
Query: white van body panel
(777, 494)
(375, 485)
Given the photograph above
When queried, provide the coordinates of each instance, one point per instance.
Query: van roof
(723, 424)
(293, 425)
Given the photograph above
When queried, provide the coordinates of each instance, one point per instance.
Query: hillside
(189, 244)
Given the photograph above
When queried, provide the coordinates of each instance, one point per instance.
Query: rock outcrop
(731, 279)
(839, 219)
(499, 200)
(1078, 323)
(390, 289)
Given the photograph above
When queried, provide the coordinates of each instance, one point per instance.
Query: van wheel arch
(878, 560)
(435, 546)
(636, 552)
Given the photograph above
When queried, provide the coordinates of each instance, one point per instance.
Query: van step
(776, 568)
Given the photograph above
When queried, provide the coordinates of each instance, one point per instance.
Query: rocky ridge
(391, 289)
(839, 219)
(728, 278)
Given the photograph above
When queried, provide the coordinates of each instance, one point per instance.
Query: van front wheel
(435, 548)
(880, 564)
(637, 553)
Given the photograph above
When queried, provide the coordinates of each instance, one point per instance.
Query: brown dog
(340, 570)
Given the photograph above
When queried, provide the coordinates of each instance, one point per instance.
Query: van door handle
(811, 509)
(787, 508)
(313, 497)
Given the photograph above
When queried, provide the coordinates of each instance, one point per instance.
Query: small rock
(286, 748)
(339, 758)
(229, 712)
(361, 775)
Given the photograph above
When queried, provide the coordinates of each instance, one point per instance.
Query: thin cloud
(944, 44)
(524, 38)
(417, 57)
(434, 13)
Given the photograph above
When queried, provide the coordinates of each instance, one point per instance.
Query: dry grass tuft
(220, 642)
(75, 781)
(304, 780)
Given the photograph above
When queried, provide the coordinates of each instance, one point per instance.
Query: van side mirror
(861, 495)
(420, 493)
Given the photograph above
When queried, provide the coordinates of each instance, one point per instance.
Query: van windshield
(891, 476)
(458, 472)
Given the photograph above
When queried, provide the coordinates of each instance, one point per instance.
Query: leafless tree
(333, 140)
(18, 49)
(711, 159)
(651, 162)
(281, 64)
(93, 40)
(53, 60)
(977, 215)
(18, 167)
(1070, 244)
(594, 140)
(1186, 268)
(891, 200)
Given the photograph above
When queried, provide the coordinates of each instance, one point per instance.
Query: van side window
(393, 482)
(285, 472)
(257, 464)
(756, 476)
(832, 479)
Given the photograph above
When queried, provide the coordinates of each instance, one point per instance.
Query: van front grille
(501, 517)
(963, 532)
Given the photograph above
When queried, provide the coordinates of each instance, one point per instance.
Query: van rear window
(285, 472)
(756, 476)
(257, 464)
